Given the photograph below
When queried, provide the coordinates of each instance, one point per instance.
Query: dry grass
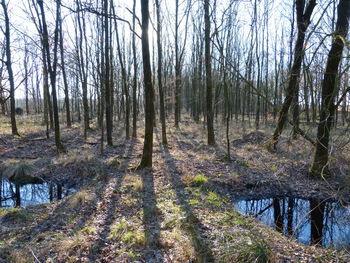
(120, 213)
(21, 256)
(71, 248)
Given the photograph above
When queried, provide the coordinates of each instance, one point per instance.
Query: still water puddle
(30, 194)
(310, 222)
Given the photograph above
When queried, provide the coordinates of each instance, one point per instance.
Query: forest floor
(179, 211)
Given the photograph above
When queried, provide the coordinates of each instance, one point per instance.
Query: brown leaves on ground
(180, 211)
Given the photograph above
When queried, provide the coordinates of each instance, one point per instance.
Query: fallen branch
(302, 133)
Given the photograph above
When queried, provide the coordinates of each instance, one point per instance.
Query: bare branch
(96, 12)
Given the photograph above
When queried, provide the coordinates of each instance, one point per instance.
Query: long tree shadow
(109, 206)
(56, 220)
(82, 207)
(193, 225)
(26, 147)
(101, 185)
(151, 219)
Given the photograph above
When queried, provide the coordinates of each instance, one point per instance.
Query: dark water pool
(31, 194)
(310, 222)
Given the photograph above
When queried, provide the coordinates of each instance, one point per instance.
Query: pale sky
(279, 11)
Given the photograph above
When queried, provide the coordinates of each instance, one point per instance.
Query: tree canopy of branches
(237, 63)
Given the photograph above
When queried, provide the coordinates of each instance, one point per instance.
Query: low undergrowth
(177, 212)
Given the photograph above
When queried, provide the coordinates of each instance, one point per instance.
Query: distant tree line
(214, 61)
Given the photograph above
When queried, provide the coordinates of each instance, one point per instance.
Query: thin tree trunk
(160, 81)
(134, 88)
(9, 69)
(65, 82)
(83, 64)
(108, 106)
(210, 113)
(124, 80)
(26, 61)
(177, 68)
(52, 69)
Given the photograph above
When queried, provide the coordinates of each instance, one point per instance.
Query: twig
(342, 97)
(36, 259)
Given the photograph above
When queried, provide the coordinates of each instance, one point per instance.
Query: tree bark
(52, 68)
(134, 88)
(177, 68)
(124, 80)
(25, 62)
(83, 65)
(146, 160)
(320, 165)
(65, 82)
(303, 20)
(9, 70)
(160, 81)
(210, 113)
(108, 105)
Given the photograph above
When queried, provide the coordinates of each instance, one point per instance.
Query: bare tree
(124, 80)
(108, 88)
(179, 56)
(146, 160)
(134, 88)
(210, 113)
(160, 76)
(52, 66)
(303, 21)
(320, 165)
(83, 64)
(65, 81)
(8, 63)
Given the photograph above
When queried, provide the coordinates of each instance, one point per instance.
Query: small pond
(30, 194)
(310, 222)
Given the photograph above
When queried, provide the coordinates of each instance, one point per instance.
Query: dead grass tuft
(20, 256)
(80, 199)
(72, 247)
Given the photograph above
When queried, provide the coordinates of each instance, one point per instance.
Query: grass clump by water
(256, 249)
(14, 215)
(215, 199)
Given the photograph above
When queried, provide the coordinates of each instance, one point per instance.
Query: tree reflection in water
(30, 194)
(309, 221)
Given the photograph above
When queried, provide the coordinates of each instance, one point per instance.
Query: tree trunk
(210, 113)
(65, 82)
(160, 81)
(146, 160)
(108, 106)
(303, 19)
(177, 68)
(26, 61)
(83, 65)
(320, 163)
(52, 68)
(9, 69)
(124, 80)
(134, 88)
